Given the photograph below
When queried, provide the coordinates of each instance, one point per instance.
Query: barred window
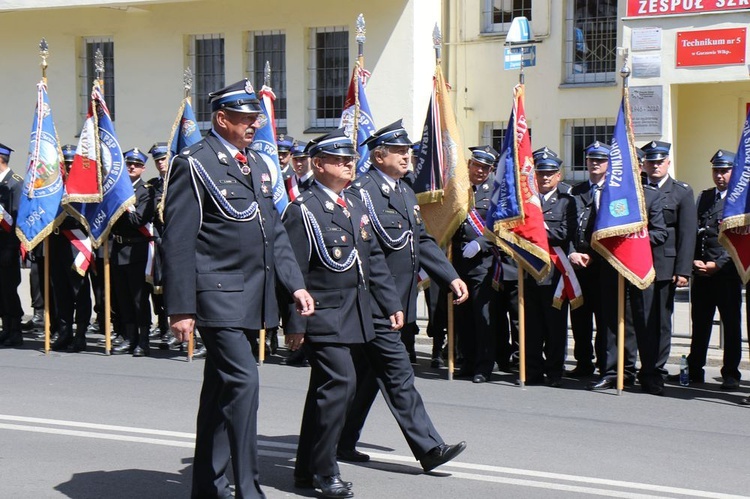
(206, 54)
(498, 14)
(269, 46)
(329, 75)
(591, 41)
(88, 73)
(493, 134)
(577, 135)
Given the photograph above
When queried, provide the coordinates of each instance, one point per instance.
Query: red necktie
(340, 201)
(241, 158)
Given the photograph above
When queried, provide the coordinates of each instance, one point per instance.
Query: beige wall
(150, 56)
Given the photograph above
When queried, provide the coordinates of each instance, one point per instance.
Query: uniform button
(268, 269)
(317, 303)
(218, 285)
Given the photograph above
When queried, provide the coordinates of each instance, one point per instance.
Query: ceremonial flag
(39, 208)
(621, 227)
(83, 254)
(515, 214)
(6, 220)
(734, 232)
(264, 143)
(357, 110)
(441, 173)
(84, 182)
(185, 131)
(116, 193)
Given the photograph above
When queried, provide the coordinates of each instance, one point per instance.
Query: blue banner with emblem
(117, 189)
(357, 109)
(264, 143)
(185, 131)
(39, 207)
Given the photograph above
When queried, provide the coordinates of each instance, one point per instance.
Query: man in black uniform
(224, 247)
(716, 283)
(284, 147)
(346, 272)
(128, 259)
(473, 257)
(586, 261)
(547, 324)
(11, 185)
(673, 261)
(159, 153)
(396, 221)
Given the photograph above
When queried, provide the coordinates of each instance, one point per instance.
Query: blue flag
(621, 228)
(39, 207)
(264, 143)
(356, 102)
(185, 131)
(734, 232)
(117, 189)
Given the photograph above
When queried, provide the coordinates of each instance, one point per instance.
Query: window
(107, 46)
(498, 14)
(207, 60)
(591, 41)
(329, 75)
(269, 46)
(578, 135)
(493, 134)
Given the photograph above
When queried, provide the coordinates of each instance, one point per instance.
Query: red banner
(644, 8)
(711, 47)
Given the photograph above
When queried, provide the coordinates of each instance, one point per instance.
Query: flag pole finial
(361, 38)
(187, 80)
(437, 41)
(625, 70)
(267, 74)
(44, 53)
(99, 65)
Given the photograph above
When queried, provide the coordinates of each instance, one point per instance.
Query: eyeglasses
(339, 160)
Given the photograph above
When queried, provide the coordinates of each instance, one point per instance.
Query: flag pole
(99, 69)
(521, 300)
(437, 44)
(43, 53)
(360, 38)
(262, 332)
(624, 73)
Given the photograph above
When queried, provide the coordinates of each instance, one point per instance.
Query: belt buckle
(118, 239)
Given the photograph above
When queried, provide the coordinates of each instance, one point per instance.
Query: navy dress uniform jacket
(481, 263)
(10, 196)
(343, 309)
(130, 245)
(675, 256)
(396, 213)
(222, 270)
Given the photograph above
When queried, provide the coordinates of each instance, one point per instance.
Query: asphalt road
(92, 426)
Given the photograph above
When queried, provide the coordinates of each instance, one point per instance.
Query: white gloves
(471, 249)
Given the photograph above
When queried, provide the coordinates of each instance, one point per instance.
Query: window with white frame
(493, 134)
(269, 46)
(206, 55)
(88, 73)
(328, 75)
(498, 14)
(591, 41)
(577, 135)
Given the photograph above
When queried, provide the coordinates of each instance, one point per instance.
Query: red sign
(711, 47)
(644, 8)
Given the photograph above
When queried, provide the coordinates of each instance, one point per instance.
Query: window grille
(577, 135)
(107, 46)
(206, 55)
(591, 41)
(329, 75)
(498, 14)
(269, 46)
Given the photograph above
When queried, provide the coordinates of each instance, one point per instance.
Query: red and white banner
(6, 221)
(83, 254)
(646, 8)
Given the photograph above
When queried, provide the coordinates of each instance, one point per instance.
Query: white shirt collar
(388, 179)
(4, 174)
(329, 192)
(722, 194)
(232, 149)
(305, 176)
(546, 197)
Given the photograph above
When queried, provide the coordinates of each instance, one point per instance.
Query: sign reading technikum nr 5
(642, 8)
(711, 47)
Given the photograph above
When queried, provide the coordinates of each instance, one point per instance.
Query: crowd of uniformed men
(338, 270)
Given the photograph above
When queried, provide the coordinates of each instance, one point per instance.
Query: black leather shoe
(479, 378)
(694, 378)
(437, 363)
(602, 384)
(295, 358)
(352, 456)
(200, 353)
(141, 352)
(124, 347)
(308, 483)
(441, 455)
(332, 486)
(730, 383)
(554, 381)
(745, 401)
(581, 372)
(36, 322)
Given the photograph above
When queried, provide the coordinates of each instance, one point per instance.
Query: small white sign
(645, 39)
(646, 65)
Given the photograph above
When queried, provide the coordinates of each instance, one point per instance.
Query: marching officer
(547, 324)
(159, 153)
(284, 148)
(224, 250)
(673, 261)
(69, 283)
(129, 256)
(394, 216)
(716, 283)
(346, 272)
(473, 257)
(11, 185)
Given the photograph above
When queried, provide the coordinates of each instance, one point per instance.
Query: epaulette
(650, 187)
(18, 177)
(298, 199)
(682, 184)
(188, 151)
(147, 185)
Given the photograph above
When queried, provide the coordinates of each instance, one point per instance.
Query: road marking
(534, 479)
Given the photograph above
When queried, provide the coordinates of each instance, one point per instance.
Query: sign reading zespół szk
(711, 47)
